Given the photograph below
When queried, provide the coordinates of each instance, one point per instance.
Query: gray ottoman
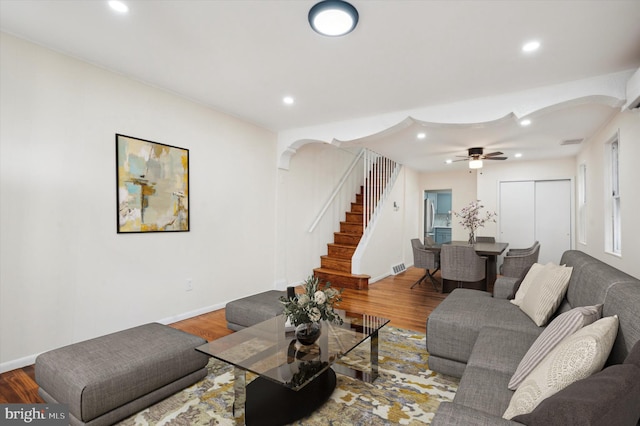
(109, 378)
(251, 310)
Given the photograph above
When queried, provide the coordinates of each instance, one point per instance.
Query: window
(613, 229)
(582, 204)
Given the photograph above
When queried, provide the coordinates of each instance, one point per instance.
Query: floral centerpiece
(306, 310)
(470, 218)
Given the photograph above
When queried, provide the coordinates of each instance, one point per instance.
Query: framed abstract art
(152, 186)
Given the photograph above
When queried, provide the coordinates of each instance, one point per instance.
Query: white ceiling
(242, 57)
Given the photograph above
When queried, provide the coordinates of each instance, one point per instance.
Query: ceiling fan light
(475, 164)
(333, 18)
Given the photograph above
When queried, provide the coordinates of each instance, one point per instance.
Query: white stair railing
(380, 173)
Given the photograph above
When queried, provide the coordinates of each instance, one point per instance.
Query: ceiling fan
(476, 156)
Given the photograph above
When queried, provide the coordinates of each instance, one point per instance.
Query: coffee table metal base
(263, 402)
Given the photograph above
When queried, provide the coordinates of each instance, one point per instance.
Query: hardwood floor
(391, 297)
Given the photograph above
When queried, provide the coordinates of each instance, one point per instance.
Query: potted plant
(470, 218)
(306, 310)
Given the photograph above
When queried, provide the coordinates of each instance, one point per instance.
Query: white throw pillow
(575, 358)
(564, 325)
(545, 295)
(526, 283)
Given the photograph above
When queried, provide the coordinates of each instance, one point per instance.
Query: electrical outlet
(189, 285)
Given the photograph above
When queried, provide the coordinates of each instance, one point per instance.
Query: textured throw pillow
(610, 397)
(575, 358)
(526, 283)
(564, 325)
(544, 296)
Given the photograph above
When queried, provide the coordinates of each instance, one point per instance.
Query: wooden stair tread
(340, 273)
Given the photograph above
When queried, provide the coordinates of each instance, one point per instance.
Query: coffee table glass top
(268, 350)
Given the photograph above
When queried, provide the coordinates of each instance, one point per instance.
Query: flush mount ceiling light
(531, 46)
(288, 100)
(118, 6)
(421, 135)
(525, 122)
(333, 18)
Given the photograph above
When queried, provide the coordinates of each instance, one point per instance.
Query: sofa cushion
(453, 327)
(254, 309)
(99, 375)
(543, 298)
(634, 355)
(498, 349)
(575, 358)
(494, 358)
(564, 325)
(623, 300)
(609, 397)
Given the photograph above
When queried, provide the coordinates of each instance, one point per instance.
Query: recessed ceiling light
(333, 18)
(531, 46)
(518, 155)
(525, 122)
(449, 161)
(118, 6)
(422, 135)
(287, 100)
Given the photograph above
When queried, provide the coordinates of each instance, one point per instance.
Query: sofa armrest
(505, 287)
(452, 414)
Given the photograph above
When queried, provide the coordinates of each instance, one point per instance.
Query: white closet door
(516, 217)
(553, 219)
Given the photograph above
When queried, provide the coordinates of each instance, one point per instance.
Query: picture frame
(152, 186)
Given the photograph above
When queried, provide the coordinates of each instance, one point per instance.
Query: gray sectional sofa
(481, 339)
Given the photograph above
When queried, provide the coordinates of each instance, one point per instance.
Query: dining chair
(485, 240)
(461, 264)
(518, 251)
(427, 260)
(516, 262)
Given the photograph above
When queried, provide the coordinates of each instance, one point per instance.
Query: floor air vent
(398, 268)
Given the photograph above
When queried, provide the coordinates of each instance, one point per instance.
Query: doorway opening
(437, 216)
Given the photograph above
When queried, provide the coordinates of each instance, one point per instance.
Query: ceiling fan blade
(496, 158)
(493, 154)
(464, 159)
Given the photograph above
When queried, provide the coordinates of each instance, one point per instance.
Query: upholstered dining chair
(518, 251)
(517, 261)
(485, 239)
(427, 260)
(461, 264)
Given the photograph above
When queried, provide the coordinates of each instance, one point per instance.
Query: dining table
(489, 250)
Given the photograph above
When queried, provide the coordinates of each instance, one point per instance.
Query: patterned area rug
(406, 392)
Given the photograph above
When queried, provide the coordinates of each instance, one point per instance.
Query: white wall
(65, 274)
(593, 155)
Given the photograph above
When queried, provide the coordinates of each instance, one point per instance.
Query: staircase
(335, 267)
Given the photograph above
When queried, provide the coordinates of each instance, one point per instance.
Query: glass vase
(308, 333)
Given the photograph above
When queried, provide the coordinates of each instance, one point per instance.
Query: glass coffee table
(292, 380)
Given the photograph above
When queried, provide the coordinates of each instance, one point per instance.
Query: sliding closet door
(553, 218)
(537, 211)
(517, 213)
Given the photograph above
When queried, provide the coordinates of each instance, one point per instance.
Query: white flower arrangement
(313, 305)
